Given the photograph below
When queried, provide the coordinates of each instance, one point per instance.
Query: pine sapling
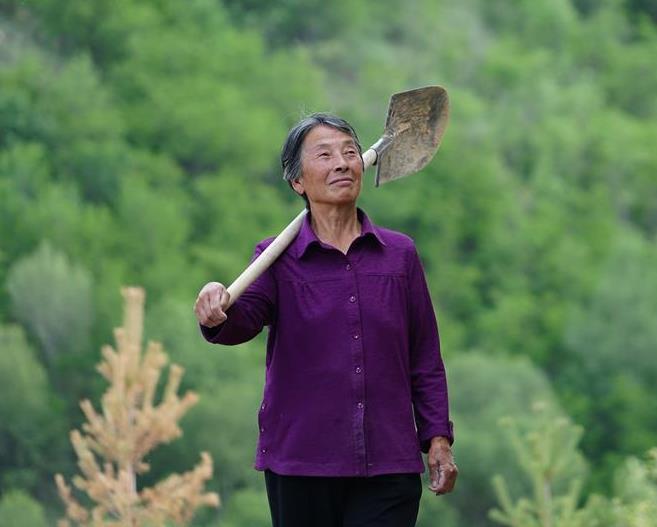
(113, 444)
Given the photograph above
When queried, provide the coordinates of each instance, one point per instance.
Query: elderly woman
(355, 386)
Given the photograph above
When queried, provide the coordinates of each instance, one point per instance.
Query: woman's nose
(340, 163)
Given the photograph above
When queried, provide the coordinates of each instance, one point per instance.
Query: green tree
(155, 229)
(31, 418)
(635, 499)
(18, 509)
(436, 510)
(234, 102)
(224, 252)
(247, 507)
(52, 297)
(613, 372)
(483, 389)
(547, 452)
(102, 27)
(68, 110)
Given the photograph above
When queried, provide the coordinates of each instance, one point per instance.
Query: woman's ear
(297, 185)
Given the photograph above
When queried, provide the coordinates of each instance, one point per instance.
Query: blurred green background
(139, 144)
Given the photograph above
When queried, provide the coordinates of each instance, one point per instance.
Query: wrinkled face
(331, 167)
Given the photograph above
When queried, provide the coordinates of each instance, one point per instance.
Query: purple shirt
(355, 384)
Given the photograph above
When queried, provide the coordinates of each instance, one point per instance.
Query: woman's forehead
(323, 136)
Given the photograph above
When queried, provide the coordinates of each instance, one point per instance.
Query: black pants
(391, 500)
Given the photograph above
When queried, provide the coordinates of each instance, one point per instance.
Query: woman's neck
(336, 225)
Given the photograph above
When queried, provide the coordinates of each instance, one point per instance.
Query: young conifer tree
(113, 444)
(548, 454)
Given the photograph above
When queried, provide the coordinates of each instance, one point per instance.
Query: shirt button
(262, 428)
(264, 451)
(263, 406)
(356, 336)
(360, 405)
(358, 370)
(348, 267)
(352, 299)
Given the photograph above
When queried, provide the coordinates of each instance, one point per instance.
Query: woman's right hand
(210, 304)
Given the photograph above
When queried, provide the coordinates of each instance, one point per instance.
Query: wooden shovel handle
(266, 258)
(278, 246)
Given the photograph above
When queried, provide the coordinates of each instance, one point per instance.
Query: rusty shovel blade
(415, 125)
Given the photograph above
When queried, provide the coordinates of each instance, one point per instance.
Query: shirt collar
(307, 236)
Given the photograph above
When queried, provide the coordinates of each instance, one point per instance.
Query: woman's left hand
(442, 469)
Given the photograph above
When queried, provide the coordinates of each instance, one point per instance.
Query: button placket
(263, 449)
(358, 379)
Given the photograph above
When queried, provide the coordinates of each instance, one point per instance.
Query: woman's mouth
(342, 182)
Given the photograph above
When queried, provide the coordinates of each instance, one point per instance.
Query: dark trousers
(391, 500)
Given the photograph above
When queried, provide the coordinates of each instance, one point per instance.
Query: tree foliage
(113, 445)
(139, 143)
(32, 419)
(19, 510)
(52, 298)
(547, 452)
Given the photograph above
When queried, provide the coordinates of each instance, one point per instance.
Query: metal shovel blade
(415, 125)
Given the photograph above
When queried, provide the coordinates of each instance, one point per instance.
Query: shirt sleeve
(428, 379)
(252, 311)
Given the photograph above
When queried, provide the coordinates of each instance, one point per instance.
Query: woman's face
(331, 167)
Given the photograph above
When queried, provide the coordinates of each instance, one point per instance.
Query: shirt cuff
(210, 334)
(446, 431)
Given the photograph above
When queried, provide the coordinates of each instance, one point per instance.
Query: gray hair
(291, 151)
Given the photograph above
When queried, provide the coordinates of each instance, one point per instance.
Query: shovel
(414, 128)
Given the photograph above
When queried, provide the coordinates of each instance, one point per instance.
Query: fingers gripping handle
(277, 247)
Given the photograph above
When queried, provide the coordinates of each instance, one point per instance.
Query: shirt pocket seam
(393, 275)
